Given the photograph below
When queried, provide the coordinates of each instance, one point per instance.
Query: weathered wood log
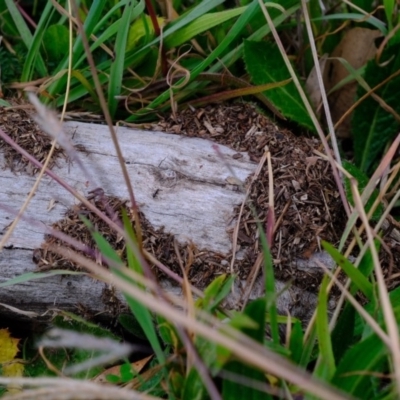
(180, 183)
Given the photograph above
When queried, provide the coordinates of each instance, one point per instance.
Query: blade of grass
(241, 22)
(117, 66)
(325, 368)
(202, 24)
(29, 276)
(91, 20)
(33, 58)
(130, 59)
(209, 327)
(352, 272)
(141, 313)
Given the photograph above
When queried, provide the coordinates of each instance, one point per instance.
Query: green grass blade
(270, 292)
(296, 342)
(374, 127)
(326, 363)
(132, 57)
(234, 390)
(33, 58)
(19, 22)
(140, 312)
(202, 24)
(353, 372)
(291, 5)
(375, 22)
(232, 34)
(356, 276)
(30, 276)
(133, 262)
(91, 20)
(117, 67)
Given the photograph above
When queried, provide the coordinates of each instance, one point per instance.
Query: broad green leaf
(265, 64)
(353, 373)
(352, 272)
(373, 127)
(362, 180)
(202, 24)
(56, 42)
(326, 363)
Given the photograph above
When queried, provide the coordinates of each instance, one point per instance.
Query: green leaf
(352, 272)
(215, 292)
(30, 276)
(194, 387)
(326, 363)
(362, 180)
(34, 58)
(117, 66)
(270, 292)
(4, 103)
(353, 372)
(343, 333)
(141, 313)
(202, 24)
(265, 64)
(131, 324)
(296, 342)
(235, 390)
(373, 128)
(56, 42)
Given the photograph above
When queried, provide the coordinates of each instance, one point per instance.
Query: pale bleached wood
(195, 201)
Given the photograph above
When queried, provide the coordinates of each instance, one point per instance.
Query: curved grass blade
(202, 24)
(117, 67)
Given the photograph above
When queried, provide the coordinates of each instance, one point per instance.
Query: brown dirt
(18, 123)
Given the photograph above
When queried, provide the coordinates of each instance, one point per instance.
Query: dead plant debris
(306, 200)
(18, 123)
(307, 204)
(201, 266)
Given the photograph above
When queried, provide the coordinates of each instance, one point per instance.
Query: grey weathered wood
(195, 201)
